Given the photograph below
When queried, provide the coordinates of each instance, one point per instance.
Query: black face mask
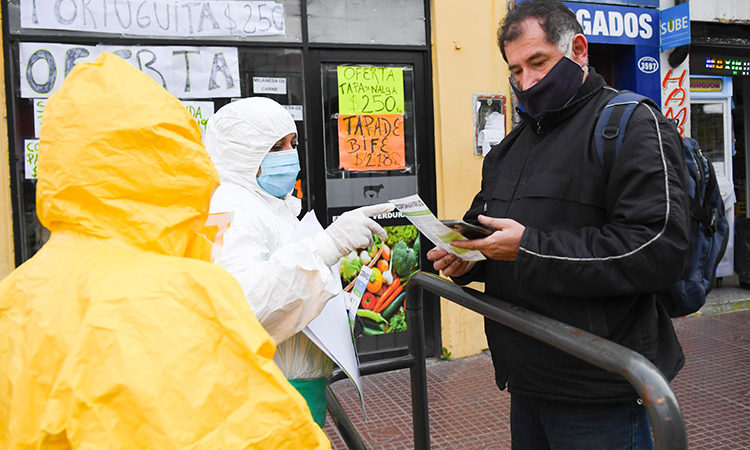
(553, 91)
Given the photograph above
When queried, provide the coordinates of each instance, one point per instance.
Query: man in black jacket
(573, 242)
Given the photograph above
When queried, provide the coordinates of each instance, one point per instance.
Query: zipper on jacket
(521, 175)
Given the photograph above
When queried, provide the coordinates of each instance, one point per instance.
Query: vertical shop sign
(200, 111)
(186, 72)
(674, 26)
(176, 18)
(676, 98)
(30, 157)
(371, 142)
(39, 105)
(370, 90)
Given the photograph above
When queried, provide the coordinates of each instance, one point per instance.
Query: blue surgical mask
(278, 172)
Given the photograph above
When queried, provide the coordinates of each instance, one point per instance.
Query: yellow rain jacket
(111, 336)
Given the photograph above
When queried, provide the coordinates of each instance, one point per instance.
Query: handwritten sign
(39, 105)
(371, 142)
(370, 90)
(269, 85)
(200, 111)
(180, 18)
(675, 97)
(186, 72)
(30, 157)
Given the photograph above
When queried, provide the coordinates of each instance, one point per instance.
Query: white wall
(732, 11)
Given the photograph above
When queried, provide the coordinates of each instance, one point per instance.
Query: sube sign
(674, 26)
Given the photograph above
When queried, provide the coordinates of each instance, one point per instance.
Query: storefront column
(466, 61)
(6, 215)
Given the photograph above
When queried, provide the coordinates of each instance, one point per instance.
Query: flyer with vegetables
(390, 263)
(414, 209)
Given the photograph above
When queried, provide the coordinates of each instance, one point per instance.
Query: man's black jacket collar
(594, 82)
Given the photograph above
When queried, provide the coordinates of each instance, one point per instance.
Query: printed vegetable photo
(393, 262)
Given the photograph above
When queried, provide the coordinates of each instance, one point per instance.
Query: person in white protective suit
(253, 144)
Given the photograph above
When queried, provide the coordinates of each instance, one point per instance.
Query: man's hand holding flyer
(414, 209)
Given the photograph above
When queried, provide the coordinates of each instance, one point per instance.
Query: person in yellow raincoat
(115, 334)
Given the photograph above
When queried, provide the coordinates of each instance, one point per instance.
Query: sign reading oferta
(370, 89)
(186, 72)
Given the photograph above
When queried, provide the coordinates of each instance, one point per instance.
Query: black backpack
(709, 228)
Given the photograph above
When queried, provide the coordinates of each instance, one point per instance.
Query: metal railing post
(418, 372)
(348, 432)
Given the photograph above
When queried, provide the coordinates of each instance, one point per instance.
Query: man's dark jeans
(542, 424)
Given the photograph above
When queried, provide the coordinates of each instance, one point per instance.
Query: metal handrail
(661, 404)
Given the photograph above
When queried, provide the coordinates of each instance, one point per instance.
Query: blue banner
(642, 3)
(675, 26)
(607, 24)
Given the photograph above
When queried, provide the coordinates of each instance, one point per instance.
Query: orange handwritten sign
(371, 142)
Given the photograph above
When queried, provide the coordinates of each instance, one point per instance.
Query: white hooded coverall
(286, 284)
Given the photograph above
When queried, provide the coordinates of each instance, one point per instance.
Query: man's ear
(580, 50)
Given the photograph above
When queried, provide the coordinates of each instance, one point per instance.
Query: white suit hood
(241, 134)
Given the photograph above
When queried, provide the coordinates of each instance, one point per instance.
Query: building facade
(429, 70)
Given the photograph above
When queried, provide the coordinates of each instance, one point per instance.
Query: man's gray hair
(565, 42)
(557, 20)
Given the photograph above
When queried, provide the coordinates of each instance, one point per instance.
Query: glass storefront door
(369, 121)
(708, 122)
(711, 126)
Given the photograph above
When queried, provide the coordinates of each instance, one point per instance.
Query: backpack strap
(612, 123)
(713, 215)
(701, 209)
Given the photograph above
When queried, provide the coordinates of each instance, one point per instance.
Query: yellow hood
(108, 337)
(120, 157)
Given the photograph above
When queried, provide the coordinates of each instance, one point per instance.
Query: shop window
(270, 72)
(382, 22)
(707, 126)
